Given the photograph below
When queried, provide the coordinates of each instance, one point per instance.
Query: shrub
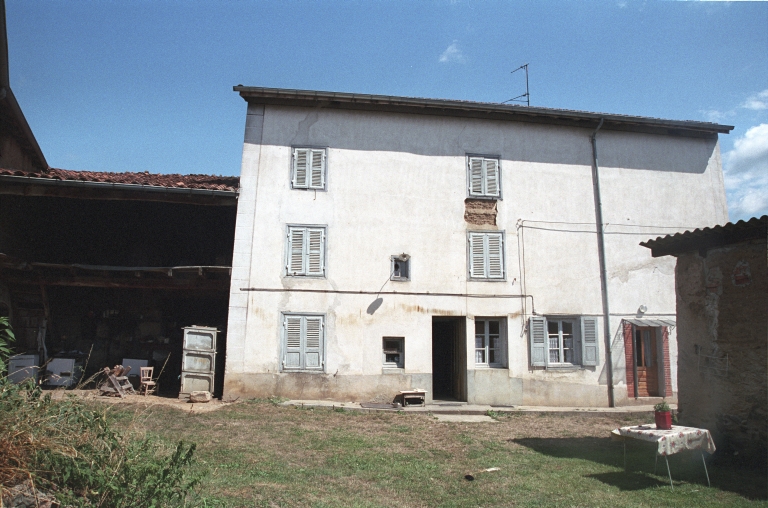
(75, 449)
(6, 337)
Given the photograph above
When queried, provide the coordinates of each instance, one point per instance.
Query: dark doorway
(449, 358)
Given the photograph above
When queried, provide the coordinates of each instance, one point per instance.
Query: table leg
(705, 469)
(625, 454)
(669, 473)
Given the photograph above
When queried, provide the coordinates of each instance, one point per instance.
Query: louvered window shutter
(491, 177)
(292, 351)
(315, 265)
(537, 333)
(317, 180)
(590, 352)
(477, 255)
(313, 350)
(300, 169)
(495, 256)
(475, 176)
(295, 262)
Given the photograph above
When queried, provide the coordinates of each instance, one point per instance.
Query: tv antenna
(526, 97)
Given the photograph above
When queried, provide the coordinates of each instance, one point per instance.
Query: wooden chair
(147, 384)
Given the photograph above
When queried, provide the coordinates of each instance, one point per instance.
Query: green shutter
(537, 333)
(313, 342)
(491, 177)
(295, 262)
(590, 351)
(300, 167)
(475, 176)
(495, 255)
(317, 173)
(292, 333)
(315, 240)
(477, 255)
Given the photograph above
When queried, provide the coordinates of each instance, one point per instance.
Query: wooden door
(646, 359)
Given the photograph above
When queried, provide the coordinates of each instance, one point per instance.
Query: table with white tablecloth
(669, 441)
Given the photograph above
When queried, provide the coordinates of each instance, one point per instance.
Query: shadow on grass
(686, 466)
(631, 480)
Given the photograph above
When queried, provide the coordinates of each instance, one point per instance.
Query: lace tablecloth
(670, 441)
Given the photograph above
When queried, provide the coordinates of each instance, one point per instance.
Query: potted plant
(663, 415)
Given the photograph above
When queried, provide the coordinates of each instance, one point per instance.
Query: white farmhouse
(486, 253)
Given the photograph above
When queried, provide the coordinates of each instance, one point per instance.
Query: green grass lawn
(260, 454)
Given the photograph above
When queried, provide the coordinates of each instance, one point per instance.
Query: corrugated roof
(709, 238)
(488, 110)
(206, 182)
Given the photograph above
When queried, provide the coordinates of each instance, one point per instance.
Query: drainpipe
(603, 271)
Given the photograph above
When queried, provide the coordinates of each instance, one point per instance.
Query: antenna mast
(527, 95)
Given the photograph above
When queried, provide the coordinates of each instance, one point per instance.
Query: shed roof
(146, 179)
(483, 110)
(704, 239)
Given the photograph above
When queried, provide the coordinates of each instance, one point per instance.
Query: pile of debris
(117, 383)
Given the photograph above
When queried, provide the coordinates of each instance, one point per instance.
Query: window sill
(392, 370)
(484, 366)
(564, 368)
(485, 198)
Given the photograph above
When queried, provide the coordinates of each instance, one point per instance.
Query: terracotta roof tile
(208, 182)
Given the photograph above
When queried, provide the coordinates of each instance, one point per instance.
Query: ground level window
(561, 343)
(489, 342)
(393, 352)
(303, 342)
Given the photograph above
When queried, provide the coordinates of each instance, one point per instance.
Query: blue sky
(147, 86)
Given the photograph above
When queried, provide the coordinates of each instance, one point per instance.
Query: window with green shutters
(303, 342)
(309, 168)
(563, 341)
(483, 177)
(305, 251)
(485, 255)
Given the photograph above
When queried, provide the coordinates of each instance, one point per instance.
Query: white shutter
(313, 358)
(491, 177)
(589, 345)
(475, 176)
(315, 252)
(300, 169)
(292, 352)
(495, 256)
(295, 261)
(537, 333)
(477, 255)
(317, 180)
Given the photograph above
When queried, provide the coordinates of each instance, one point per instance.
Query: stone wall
(722, 317)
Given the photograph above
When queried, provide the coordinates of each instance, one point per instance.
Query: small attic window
(400, 267)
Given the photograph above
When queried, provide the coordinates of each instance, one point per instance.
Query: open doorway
(449, 358)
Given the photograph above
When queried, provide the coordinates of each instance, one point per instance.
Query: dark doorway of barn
(449, 358)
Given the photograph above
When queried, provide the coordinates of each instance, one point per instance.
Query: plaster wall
(396, 184)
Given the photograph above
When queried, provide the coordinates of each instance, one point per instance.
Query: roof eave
(444, 107)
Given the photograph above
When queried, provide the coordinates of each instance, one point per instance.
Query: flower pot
(663, 420)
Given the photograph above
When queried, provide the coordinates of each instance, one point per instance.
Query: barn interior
(107, 267)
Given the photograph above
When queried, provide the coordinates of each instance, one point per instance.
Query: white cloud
(746, 174)
(716, 116)
(452, 54)
(757, 102)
